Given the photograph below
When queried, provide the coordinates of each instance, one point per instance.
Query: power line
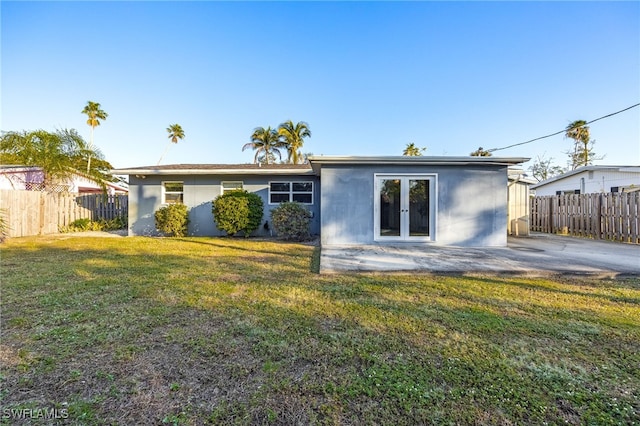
(562, 131)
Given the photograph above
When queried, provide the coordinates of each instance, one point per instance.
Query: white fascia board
(157, 172)
(419, 160)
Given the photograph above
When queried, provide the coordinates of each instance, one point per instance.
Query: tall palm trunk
(90, 149)
(163, 154)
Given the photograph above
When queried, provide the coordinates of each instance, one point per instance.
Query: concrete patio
(538, 255)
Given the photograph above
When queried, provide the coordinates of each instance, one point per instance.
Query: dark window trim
(290, 193)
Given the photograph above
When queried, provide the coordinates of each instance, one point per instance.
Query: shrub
(236, 211)
(118, 222)
(291, 221)
(83, 224)
(86, 224)
(4, 225)
(172, 220)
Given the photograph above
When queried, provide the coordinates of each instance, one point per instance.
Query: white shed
(518, 203)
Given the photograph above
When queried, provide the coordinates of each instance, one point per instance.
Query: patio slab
(536, 255)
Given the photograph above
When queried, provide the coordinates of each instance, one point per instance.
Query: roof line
(156, 171)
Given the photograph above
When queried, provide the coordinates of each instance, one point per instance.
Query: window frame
(223, 190)
(291, 191)
(405, 234)
(165, 192)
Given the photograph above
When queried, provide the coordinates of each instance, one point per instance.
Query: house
(31, 178)
(591, 179)
(353, 200)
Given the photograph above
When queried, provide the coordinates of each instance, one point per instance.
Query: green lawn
(233, 331)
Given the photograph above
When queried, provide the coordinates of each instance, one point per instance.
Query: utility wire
(562, 131)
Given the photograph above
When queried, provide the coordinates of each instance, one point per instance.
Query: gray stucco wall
(471, 203)
(145, 197)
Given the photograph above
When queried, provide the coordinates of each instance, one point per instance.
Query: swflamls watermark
(35, 413)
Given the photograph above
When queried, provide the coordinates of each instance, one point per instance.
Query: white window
(172, 192)
(231, 186)
(301, 192)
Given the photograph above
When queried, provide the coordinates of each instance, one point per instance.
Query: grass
(231, 331)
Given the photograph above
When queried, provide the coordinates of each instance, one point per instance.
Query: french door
(404, 207)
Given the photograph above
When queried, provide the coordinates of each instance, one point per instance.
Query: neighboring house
(591, 179)
(26, 178)
(353, 200)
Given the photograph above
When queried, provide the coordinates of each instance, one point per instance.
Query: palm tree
(175, 132)
(293, 136)
(579, 132)
(266, 143)
(94, 114)
(412, 150)
(60, 155)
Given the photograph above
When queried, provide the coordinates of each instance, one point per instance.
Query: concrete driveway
(537, 255)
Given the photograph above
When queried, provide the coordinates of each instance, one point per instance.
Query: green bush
(4, 225)
(172, 220)
(86, 224)
(291, 221)
(119, 222)
(83, 224)
(236, 211)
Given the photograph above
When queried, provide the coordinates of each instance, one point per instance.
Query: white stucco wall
(145, 197)
(471, 204)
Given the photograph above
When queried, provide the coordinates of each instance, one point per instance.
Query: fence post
(634, 216)
(551, 203)
(41, 214)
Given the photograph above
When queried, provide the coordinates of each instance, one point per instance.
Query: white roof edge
(17, 167)
(423, 159)
(212, 172)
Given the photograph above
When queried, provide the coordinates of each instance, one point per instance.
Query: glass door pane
(418, 207)
(390, 207)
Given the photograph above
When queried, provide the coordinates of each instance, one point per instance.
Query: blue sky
(368, 77)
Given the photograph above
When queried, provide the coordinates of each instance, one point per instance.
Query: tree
(583, 153)
(175, 133)
(266, 143)
(60, 155)
(412, 150)
(94, 114)
(480, 153)
(542, 169)
(293, 137)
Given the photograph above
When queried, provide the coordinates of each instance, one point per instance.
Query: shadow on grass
(244, 244)
(314, 263)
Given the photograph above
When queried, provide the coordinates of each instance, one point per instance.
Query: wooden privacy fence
(612, 216)
(34, 212)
